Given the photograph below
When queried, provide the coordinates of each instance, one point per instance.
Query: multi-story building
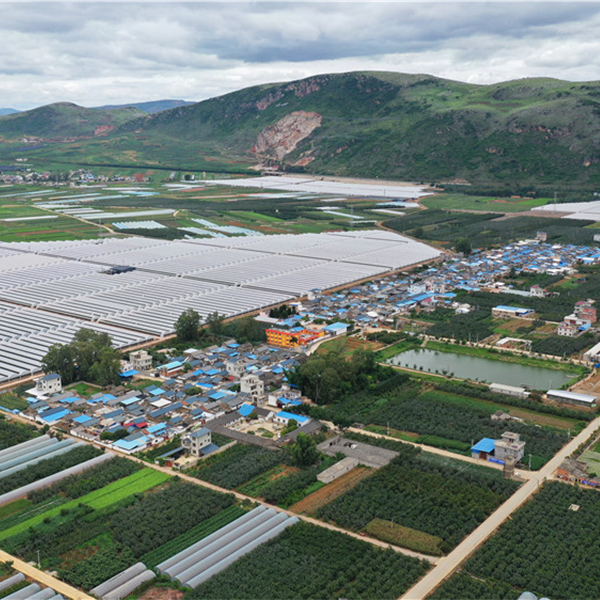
(252, 385)
(48, 384)
(509, 446)
(292, 338)
(140, 360)
(197, 440)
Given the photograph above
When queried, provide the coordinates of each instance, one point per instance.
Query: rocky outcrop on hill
(282, 137)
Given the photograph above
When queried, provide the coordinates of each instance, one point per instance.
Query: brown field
(161, 593)
(331, 491)
(347, 345)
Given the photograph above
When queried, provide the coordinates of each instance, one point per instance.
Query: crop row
(96, 499)
(200, 531)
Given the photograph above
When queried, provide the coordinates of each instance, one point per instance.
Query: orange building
(292, 338)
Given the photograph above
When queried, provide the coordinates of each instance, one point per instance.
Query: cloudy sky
(96, 53)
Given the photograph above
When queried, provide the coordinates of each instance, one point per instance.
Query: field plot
(12, 433)
(237, 465)
(482, 203)
(425, 493)
(311, 503)
(42, 461)
(94, 525)
(450, 419)
(307, 561)
(549, 547)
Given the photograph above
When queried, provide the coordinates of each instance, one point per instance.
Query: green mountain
(7, 111)
(374, 124)
(64, 120)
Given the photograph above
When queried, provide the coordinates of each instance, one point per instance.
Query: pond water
(481, 369)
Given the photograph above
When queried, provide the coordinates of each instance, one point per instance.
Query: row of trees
(89, 357)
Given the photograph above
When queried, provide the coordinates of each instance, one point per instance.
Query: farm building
(593, 354)
(512, 312)
(370, 456)
(509, 390)
(338, 469)
(572, 398)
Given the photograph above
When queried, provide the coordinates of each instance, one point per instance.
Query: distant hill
(7, 111)
(151, 107)
(64, 120)
(372, 124)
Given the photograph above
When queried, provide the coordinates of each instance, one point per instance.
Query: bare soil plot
(331, 491)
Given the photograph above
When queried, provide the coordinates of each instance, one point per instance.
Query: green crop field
(136, 483)
(440, 497)
(482, 203)
(546, 548)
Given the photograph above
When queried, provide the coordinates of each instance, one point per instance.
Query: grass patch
(399, 535)
(85, 389)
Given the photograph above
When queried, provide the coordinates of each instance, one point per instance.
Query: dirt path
(42, 577)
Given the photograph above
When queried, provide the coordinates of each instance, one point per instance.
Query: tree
(463, 245)
(304, 451)
(60, 359)
(186, 326)
(89, 357)
(105, 370)
(215, 323)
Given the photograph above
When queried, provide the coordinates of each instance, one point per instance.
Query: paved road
(447, 565)
(40, 576)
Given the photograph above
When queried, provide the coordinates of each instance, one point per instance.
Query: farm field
(12, 402)
(12, 433)
(88, 537)
(440, 497)
(311, 503)
(482, 203)
(133, 484)
(237, 465)
(437, 413)
(544, 541)
(47, 467)
(485, 229)
(324, 564)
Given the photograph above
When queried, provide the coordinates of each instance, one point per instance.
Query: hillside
(7, 111)
(376, 124)
(64, 120)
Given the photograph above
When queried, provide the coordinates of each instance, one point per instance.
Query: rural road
(41, 577)
(447, 565)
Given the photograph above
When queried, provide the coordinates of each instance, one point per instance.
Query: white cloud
(97, 53)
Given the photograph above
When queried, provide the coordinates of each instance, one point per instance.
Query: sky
(97, 53)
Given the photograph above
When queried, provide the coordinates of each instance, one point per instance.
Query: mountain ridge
(379, 124)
